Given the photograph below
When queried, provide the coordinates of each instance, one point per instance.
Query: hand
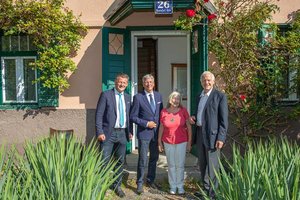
(101, 137)
(188, 147)
(151, 124)
(160, 147)
(219, 144)
(192, 119)
(130, 136)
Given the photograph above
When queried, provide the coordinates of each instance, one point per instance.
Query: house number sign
(163, 7)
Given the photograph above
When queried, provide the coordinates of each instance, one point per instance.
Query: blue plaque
(164, 7)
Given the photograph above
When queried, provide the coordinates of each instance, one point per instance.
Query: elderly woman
(175, 136)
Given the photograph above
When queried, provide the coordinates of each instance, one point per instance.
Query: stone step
(191, 167)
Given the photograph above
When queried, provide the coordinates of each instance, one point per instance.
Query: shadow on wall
(90, 125)
(34, 113)
(85, 83)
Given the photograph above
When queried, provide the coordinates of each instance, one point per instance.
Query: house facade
(131, 36)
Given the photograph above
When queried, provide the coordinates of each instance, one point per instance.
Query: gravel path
(129, 187)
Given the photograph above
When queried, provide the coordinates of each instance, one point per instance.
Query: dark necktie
(121, 111)
(152, 104)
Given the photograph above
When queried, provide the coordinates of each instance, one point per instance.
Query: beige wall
(287, 7)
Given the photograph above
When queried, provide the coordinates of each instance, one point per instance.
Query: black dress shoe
(120, 192)
(154, 186)
(140, 189)
(198, 195)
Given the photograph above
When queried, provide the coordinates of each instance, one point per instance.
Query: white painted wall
(169, 50)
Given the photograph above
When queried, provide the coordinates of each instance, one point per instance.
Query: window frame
(19, 65)
(293, 97)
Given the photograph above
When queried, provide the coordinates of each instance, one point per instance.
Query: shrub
(268, 170)
(58, 169)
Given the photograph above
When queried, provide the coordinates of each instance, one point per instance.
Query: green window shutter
(199, 59)
(199, 64)
(265, 33)
(47, 97)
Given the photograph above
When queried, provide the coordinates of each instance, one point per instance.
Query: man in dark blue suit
(145, 113)
(113, 126)
(211, 119)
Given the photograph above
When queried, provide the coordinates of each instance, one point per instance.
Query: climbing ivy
(56, 33)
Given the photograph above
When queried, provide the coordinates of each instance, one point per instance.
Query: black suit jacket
(106, 114)
(214, 118)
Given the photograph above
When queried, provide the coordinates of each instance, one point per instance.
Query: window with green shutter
(18, 89)
(288, 85)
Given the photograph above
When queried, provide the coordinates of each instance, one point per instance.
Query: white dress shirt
(117, 124)
(201, 105)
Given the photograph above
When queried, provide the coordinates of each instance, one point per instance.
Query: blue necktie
(152, 104)
(121, 111)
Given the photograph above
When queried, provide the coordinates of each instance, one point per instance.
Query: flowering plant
(191, 17)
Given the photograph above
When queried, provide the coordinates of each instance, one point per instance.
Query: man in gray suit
(211, 119)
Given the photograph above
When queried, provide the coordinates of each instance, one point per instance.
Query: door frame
(134, 61)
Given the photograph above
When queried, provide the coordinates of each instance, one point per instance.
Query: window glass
(17, 43)
(116, 44)
(5, 43)
(29, 77)
(14, 43)
(24, 43)
(31, 46)
(10, 80)
(18, 79)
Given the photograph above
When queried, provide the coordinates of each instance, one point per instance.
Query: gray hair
(207, 73)
(148, 76)
(171, 96)
(122, 75)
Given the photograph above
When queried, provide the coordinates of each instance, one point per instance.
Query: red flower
(242, 97)
(230, 15)
(205, 1)
(221, 4)
(211, 16)
(190, 13)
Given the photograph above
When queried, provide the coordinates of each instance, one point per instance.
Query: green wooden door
(199, 63)
(115, 58)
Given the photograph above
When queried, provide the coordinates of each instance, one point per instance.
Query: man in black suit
(145, 113)
(211, 119)
(113, 126)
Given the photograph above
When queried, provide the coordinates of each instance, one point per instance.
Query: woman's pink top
(175, 129)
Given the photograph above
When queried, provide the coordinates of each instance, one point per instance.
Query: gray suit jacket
(215, 119)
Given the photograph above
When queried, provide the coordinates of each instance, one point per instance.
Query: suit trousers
(208, 160)
(176, 159)
(115, 147)
(146, 146)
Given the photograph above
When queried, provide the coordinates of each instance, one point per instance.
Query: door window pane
(116, 44)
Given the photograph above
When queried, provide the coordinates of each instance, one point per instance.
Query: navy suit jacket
(106, 114)
(141, 113)
(214, 119)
